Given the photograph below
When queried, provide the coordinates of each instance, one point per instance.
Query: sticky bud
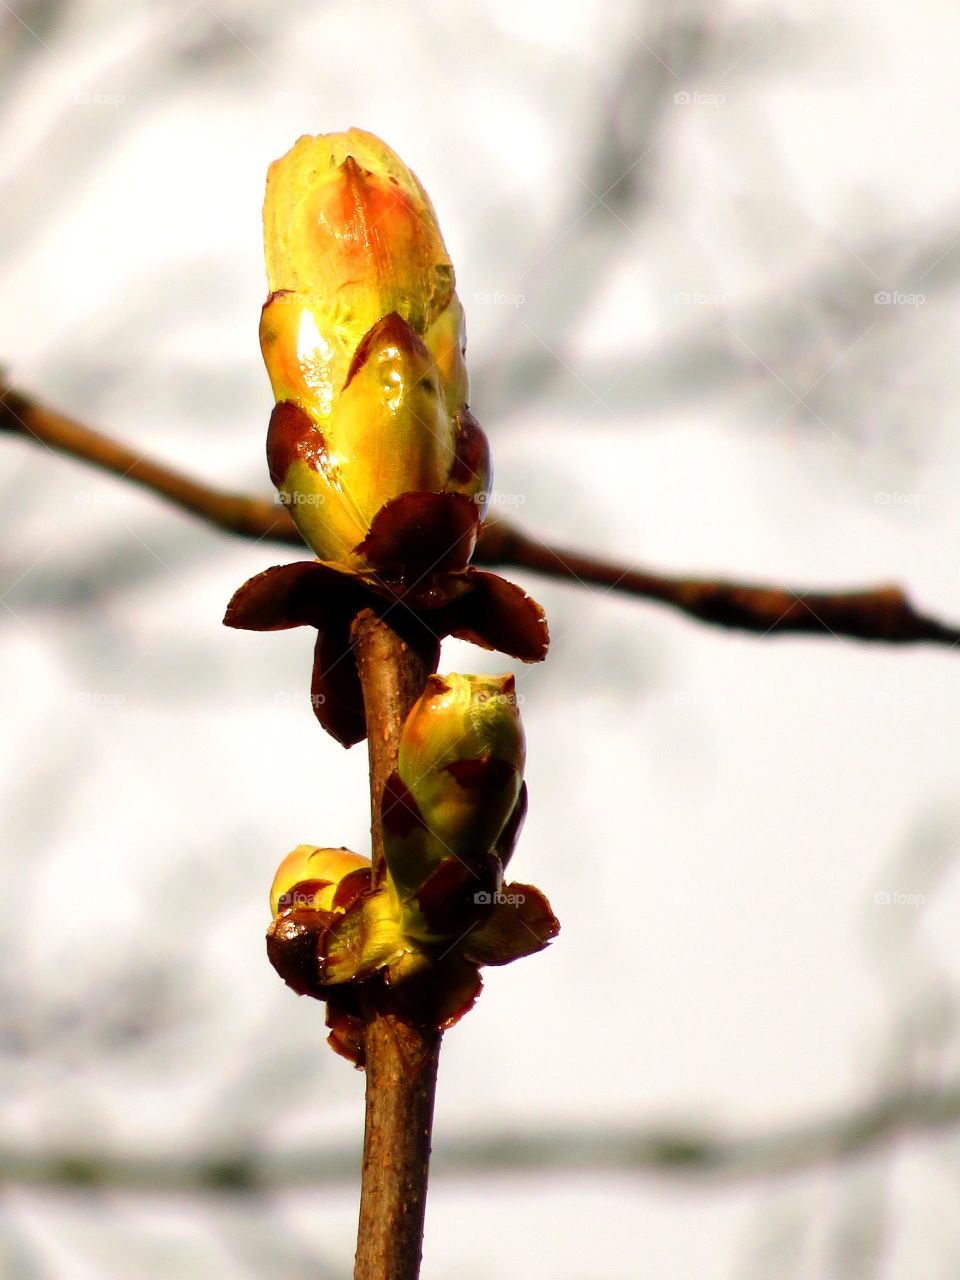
(462, 753)
(452, 809)
(363, 338)
(308, 877)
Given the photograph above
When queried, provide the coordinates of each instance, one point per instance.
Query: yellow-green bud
(462, 754)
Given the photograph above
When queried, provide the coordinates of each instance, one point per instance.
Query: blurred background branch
(883, 614)
(623, 1151)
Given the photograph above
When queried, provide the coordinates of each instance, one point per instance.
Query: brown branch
(881, 614)
(682, 1152)
(251, 517)
(401, 1061)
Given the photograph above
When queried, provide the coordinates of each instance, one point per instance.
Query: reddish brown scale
(419, 533)
(496, 614)
(440, 996)
(347, 1033)
(292, 948)
(472, 449)
(487, 772)
(511, 931)
(458, 998)
(335, 693)
(301, 894)
(399, 811)
(510, 833)
(456, 895)
(433, 598)
(390, 328)
(292, 436)
(353, 886)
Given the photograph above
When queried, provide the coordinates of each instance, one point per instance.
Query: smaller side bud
(308, 877)
(330, 925)
(462, 754)
(451, 810)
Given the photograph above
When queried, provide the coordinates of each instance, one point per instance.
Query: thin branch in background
(882, 615)
(250, 517)
(680, 1152)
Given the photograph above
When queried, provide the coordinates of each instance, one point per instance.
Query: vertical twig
(401, 1062)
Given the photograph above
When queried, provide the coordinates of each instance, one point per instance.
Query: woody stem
(401, 1061)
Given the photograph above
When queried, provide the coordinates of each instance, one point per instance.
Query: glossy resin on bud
(461, 756)
(371, 444)
(364, 341)
(452, 809)
(415, 940)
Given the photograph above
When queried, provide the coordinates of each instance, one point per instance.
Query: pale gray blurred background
(670, 223)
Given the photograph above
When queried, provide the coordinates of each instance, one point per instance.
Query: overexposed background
(671, 224)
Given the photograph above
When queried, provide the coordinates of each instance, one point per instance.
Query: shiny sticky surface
(364, 334)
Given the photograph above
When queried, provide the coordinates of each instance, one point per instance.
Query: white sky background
(669, 226)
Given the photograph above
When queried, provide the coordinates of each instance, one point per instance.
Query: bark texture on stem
(401, 1061)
